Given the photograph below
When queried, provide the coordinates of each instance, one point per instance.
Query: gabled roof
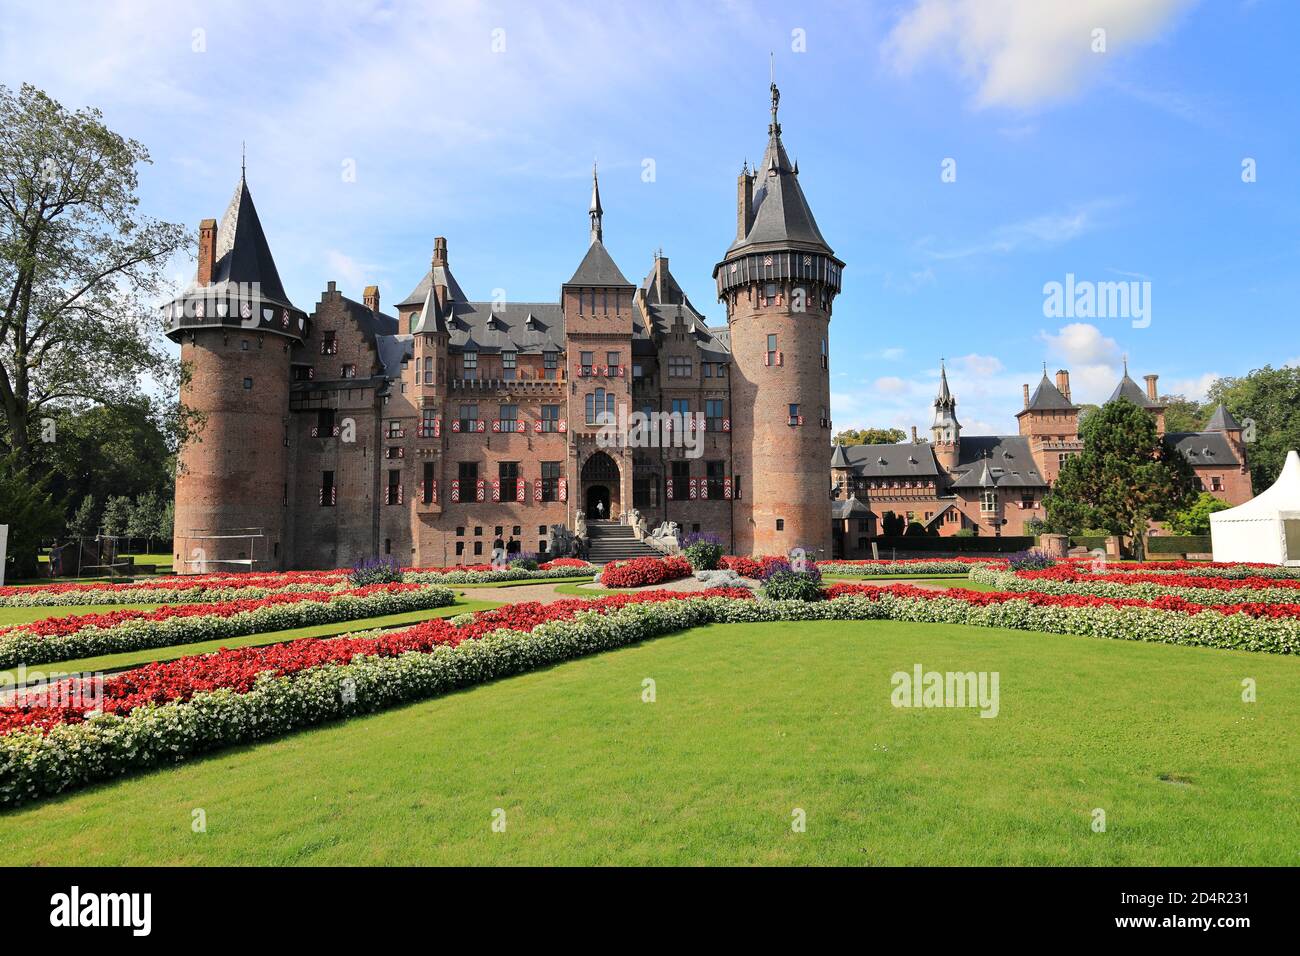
(1047, 397)
(1009, 461)
(981, 476)
(1222, 420)
(848, 508)
(1202, 448)
(598, 268)
(891, 461)
(782, 217)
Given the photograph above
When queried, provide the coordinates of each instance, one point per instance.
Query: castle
(450, 428)
(995, 484)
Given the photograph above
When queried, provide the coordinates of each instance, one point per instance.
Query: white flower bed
(1146, 590)
(20, 646)
(490, 577)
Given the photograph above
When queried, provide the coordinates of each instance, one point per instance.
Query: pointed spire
(775, 128)
(596, 212)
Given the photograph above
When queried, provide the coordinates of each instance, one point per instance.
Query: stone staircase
(612, 541)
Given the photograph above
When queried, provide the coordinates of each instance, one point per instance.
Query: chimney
(661, 275)
(1151, 386)
(1063, 382)
(439, 261)
(915, 438)
(744, 203)
(1026, 388)
(207, 250)
(371, 298)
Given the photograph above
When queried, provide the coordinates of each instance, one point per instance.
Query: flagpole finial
(243, 160)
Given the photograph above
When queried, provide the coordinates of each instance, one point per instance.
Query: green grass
(576, 590)
(751, 722)
(518, 584)
(112, 662)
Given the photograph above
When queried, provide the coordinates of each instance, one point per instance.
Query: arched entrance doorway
(600, 487)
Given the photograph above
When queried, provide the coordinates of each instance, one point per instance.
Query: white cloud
(1023, 52)
(1193, 388)
(1050, 229)
(891, 385)
(1081, 343)
(981, 365)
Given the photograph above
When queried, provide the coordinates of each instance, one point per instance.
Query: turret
(778, 281)
(945, 433)
(237, 330)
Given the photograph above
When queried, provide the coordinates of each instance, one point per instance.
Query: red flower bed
(236, 669)
(640, 572)
(563, 563)
(753, 567)
(985, 598)
(252, 579)
(1075, 575)
(59, 626)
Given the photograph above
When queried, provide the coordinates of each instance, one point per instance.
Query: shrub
(1031, 560)
(377, 570)
(524, 562)
(703, 551)
(793, 586)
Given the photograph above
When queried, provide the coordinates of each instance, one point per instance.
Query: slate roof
(444, 278)
(393, 350)
(849, 508)
(1008, 459)
(782, 217)
(1222, 420)
(1046, 397)
(1127, 388)
(891, 461)
(1202, 448)
(494, 327)
(838, 458)
(664, 303)
(598, 268)
(242, 253)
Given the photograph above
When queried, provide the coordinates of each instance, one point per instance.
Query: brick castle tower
(237, 330)
(778, 281)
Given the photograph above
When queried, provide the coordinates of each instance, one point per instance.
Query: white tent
(1266, 529)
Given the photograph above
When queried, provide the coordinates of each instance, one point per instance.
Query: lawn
(110, 662)
(750, 723)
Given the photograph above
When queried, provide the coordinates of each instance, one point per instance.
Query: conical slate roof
(430, 317)
(1222, 420)
(242, 253)
(782, 217)
(839, 459)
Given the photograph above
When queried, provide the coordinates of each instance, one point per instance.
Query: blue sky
(1115, 165)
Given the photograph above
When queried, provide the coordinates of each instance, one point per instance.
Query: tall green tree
(29, 511)
(85, 520)
(1267, 403)
(1124, 478)
(1183, 414)
(1195, 519)
(117, 515)
(81, 270)
(870, 436)
(122, 447)
(146, 513)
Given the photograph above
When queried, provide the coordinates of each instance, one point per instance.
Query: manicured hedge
(1179, 544)
(976, 545)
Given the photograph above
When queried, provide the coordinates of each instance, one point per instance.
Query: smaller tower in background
(946, 430)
